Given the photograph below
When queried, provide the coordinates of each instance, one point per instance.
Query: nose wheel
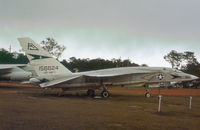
(147, 94)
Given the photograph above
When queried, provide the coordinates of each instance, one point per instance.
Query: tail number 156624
(48, 68)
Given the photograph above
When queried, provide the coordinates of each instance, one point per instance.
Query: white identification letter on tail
(43, 63)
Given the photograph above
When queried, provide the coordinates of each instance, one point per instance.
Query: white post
(159, 102)
(190, 105)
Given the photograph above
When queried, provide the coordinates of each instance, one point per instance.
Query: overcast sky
(141, 30)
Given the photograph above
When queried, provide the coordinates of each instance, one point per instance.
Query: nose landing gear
(147, 94)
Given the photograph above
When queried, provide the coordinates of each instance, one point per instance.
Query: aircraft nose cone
(193, 77)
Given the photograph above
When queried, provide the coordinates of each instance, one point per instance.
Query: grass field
(29, 109)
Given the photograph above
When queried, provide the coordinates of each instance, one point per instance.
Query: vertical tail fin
(43, 63)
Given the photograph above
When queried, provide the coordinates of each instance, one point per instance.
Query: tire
(91, 92)
(147, 95)
(105, 94)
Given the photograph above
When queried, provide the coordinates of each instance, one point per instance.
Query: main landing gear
(104, 93)
(147, 94)
(91, 92)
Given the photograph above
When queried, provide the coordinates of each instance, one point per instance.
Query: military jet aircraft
(16, 72)
(52, 74)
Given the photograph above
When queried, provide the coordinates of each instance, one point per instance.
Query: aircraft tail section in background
(43, 63)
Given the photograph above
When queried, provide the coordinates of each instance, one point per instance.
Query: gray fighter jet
(16, 72)
(52, 74)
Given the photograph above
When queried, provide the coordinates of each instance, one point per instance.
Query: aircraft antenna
(10, 49)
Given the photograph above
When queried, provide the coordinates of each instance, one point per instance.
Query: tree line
(72, 64)
(7, 57)
(184, 61)
(87, 64)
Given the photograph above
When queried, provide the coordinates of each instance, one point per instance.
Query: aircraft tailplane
(43, 63)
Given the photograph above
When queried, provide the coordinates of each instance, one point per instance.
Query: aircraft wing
(88, 76)
(57, 81)
(61, 81)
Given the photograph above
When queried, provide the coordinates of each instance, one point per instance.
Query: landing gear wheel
(105, 94)
(147, 95)
(91, 92)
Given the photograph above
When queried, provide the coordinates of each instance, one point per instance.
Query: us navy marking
(161, 76)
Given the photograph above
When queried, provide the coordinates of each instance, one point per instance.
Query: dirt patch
(27, 108)
(7, 84)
